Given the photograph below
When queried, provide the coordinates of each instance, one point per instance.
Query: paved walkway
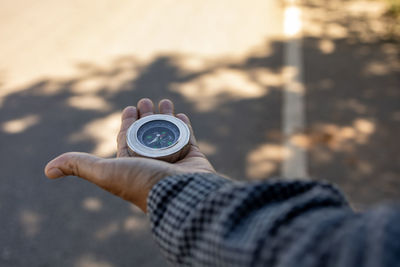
(245, 72)
(67, 69)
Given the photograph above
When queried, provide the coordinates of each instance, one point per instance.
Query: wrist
(141, 201)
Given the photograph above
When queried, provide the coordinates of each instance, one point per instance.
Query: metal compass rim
(137, 147)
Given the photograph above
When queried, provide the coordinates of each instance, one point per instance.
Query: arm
(206, 220)
(203, 219)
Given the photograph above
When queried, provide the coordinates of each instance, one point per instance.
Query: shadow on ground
(234, 103)
(352, 75)
(69, 222)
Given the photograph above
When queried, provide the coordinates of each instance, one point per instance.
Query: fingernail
(54, 173)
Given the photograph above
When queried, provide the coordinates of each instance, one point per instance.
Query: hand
(130, 178)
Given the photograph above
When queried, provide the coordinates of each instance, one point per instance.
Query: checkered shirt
(207, 220)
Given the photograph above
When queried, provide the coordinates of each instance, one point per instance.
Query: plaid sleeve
(206, 220)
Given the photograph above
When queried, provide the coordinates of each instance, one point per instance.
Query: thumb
(84, 165)
(128, 178)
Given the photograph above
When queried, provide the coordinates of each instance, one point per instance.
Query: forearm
(206, 220)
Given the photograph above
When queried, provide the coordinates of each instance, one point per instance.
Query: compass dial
(158, 134)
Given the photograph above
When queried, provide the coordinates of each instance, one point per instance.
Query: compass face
(158, 134)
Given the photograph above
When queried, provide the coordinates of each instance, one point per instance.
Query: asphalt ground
(352, 76)
(68, 69)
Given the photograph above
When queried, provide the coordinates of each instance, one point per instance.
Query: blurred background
(69, 67)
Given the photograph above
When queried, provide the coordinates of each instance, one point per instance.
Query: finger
(166, 106)
(186, 120)
(74, 163)
(89, 167)
(117, 176)
(102, 172)
(145, 107)
(129, 116)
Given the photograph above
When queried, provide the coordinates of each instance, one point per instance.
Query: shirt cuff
(165, 195)
(172, 199)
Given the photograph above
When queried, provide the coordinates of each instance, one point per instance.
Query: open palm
(130, 178)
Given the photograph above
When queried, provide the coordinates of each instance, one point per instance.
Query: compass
(158, 136)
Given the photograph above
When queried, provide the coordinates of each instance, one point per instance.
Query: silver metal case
(170, 154)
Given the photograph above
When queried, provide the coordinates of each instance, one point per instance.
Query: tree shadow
(352, 80)
(78, 222)
(235, 108)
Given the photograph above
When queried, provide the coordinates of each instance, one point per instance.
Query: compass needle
(154, 140)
